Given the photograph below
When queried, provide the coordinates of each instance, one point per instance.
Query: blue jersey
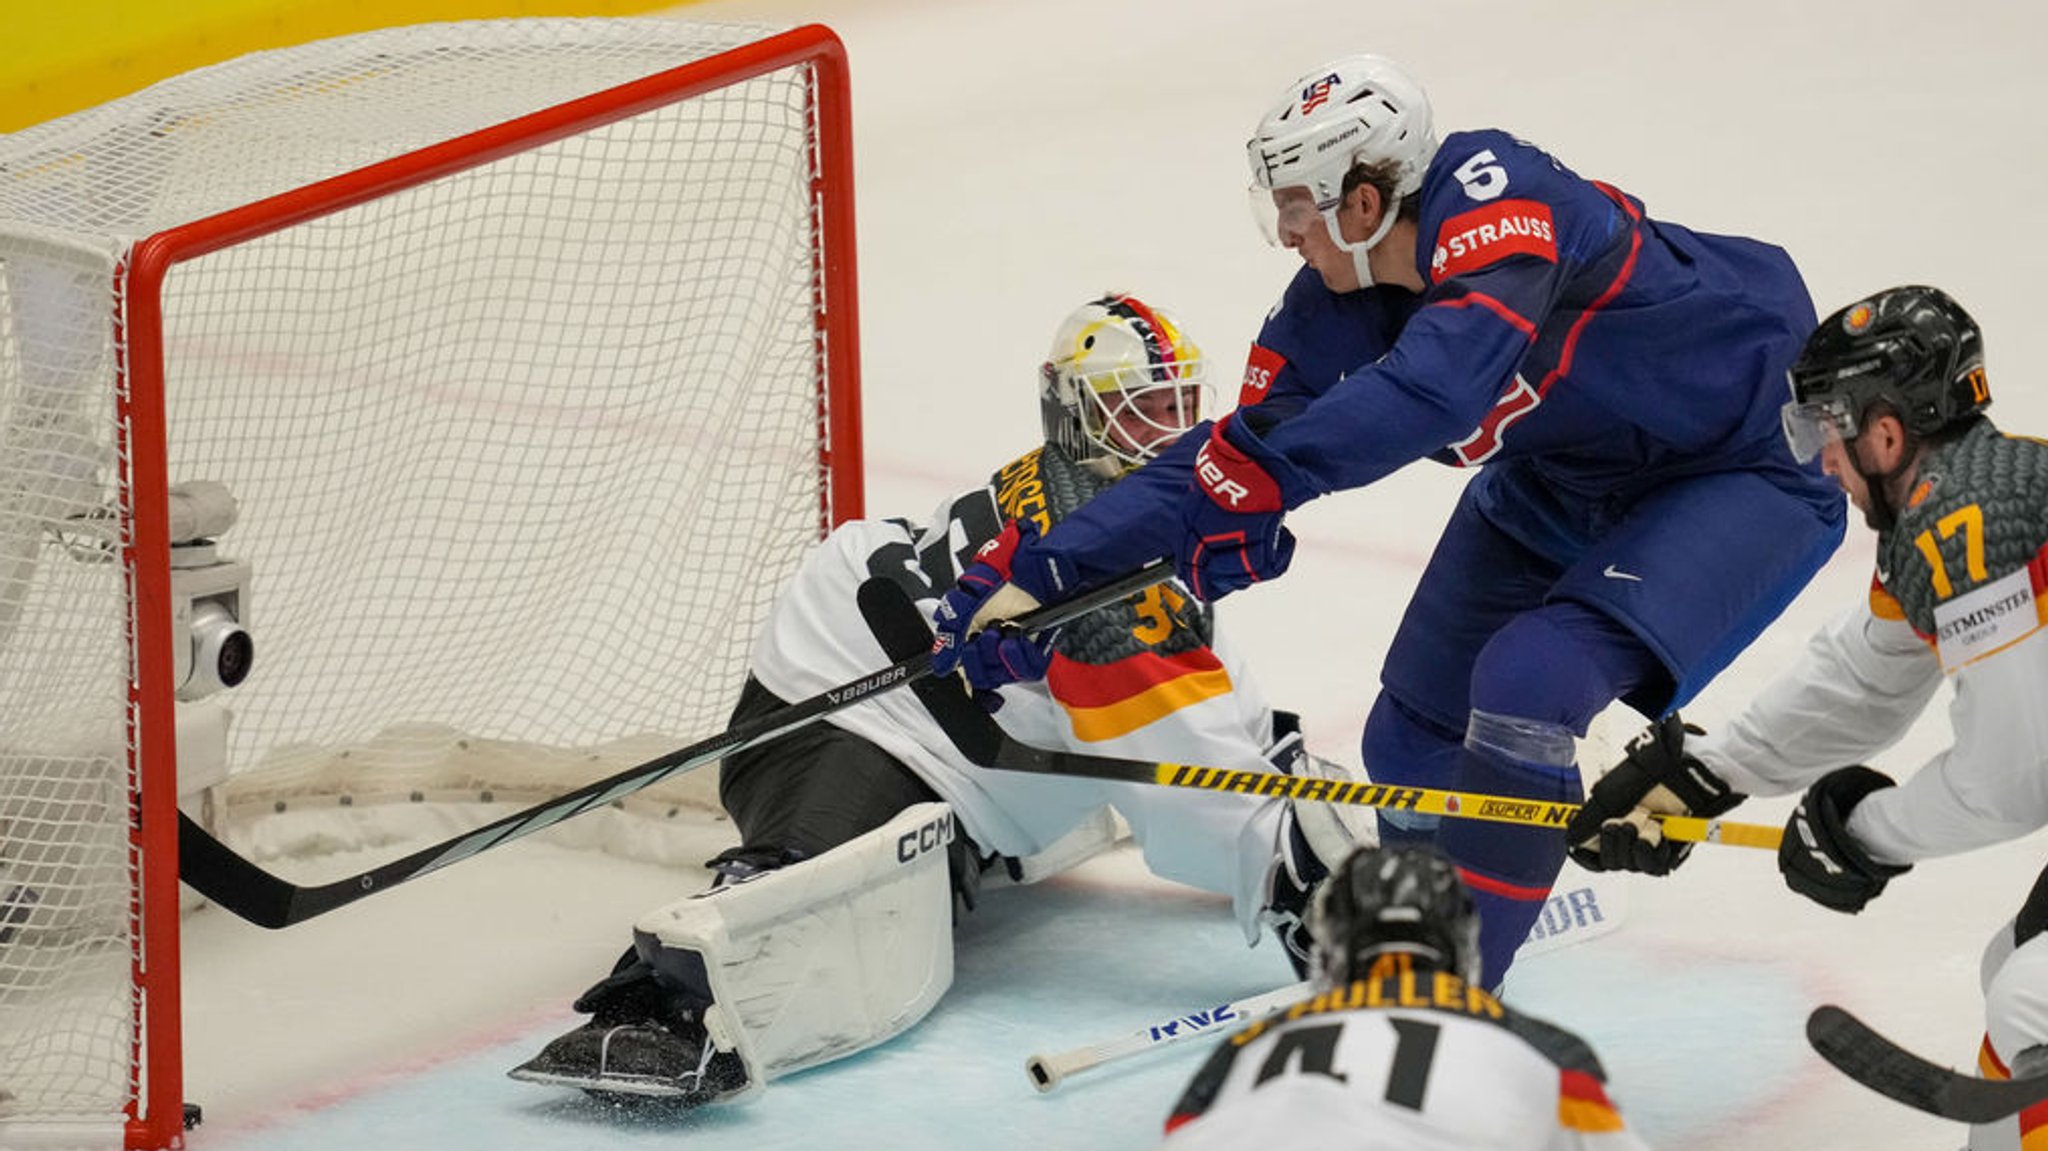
(1563, 325)
(1560, 327)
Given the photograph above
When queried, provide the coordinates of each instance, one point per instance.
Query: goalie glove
(1615, 829)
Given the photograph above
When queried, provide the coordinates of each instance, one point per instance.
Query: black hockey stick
(1896, 1073)
(215, 871)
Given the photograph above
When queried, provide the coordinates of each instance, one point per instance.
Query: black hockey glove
(1819, 858)
(1614, 830)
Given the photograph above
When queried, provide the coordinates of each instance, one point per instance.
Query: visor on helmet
(1277, 221)
(1810, 427)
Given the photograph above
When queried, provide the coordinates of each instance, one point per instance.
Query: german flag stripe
(1989, 1065)
(1159, 337)
(1091, 685)
(1883, 604)
(1582, 1104)
(2034, 1128)
(1106, 702)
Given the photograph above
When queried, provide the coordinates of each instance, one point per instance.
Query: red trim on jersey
(1505, 890)
(1261, 367)
(1621, 279)
(1514, 319)
(1514, 403)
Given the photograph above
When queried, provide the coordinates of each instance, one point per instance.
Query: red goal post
(470, 388)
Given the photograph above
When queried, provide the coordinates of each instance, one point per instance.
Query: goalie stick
(899, 627)
(215, 871)
(1896, 1073)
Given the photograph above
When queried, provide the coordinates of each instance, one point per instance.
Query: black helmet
(1381, 900)
(1912, 347)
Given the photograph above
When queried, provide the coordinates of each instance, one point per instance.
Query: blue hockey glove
(1819, 858)
(1231, 515)
(999, 655)
(993, 656)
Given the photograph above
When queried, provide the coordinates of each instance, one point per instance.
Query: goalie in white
(1400, 1047)
(829, 928)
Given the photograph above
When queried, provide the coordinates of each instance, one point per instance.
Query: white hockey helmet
(1121, 382)
(1357, 110)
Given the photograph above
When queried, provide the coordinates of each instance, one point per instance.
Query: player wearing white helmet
(828, 927)
(1634, 519)
(1120, 382)
(1360, 114)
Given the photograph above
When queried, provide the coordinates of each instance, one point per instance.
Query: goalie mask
(1121, 382)
(1912, 348)
(1393, 900)
(1358, 110)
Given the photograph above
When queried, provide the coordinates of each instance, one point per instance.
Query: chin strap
(1363, 249)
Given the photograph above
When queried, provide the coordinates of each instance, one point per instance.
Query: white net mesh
(521, 454)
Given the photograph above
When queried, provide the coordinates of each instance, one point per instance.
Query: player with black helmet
(1890, 392)
(1400, 1047)
(1911, 353)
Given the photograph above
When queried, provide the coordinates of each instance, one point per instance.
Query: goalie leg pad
(822, 958)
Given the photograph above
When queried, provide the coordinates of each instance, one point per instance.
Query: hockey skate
(643, 1045)
(638, 1062)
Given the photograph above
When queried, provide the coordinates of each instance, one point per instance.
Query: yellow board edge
(60, 58)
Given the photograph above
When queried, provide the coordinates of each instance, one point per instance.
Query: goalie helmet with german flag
(1911, 348)
(1121, 382)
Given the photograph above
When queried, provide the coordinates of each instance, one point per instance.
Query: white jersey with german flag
(1138, 680)
(1409, 1059)
(1961, 596)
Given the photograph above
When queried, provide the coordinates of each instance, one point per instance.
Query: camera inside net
(208, 608)
(209, 594)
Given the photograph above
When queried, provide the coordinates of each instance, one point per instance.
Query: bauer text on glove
(1231, 515)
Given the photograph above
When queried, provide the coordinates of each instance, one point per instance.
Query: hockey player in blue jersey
(1635, 519)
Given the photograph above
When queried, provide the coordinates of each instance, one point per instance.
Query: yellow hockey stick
(902, 629)
(1009, 755)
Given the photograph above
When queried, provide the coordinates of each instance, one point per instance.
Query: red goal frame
(156, 1104)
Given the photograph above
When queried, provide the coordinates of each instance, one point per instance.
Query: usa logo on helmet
(1318, 94)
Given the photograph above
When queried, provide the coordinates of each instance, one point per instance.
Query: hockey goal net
(489, 377)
